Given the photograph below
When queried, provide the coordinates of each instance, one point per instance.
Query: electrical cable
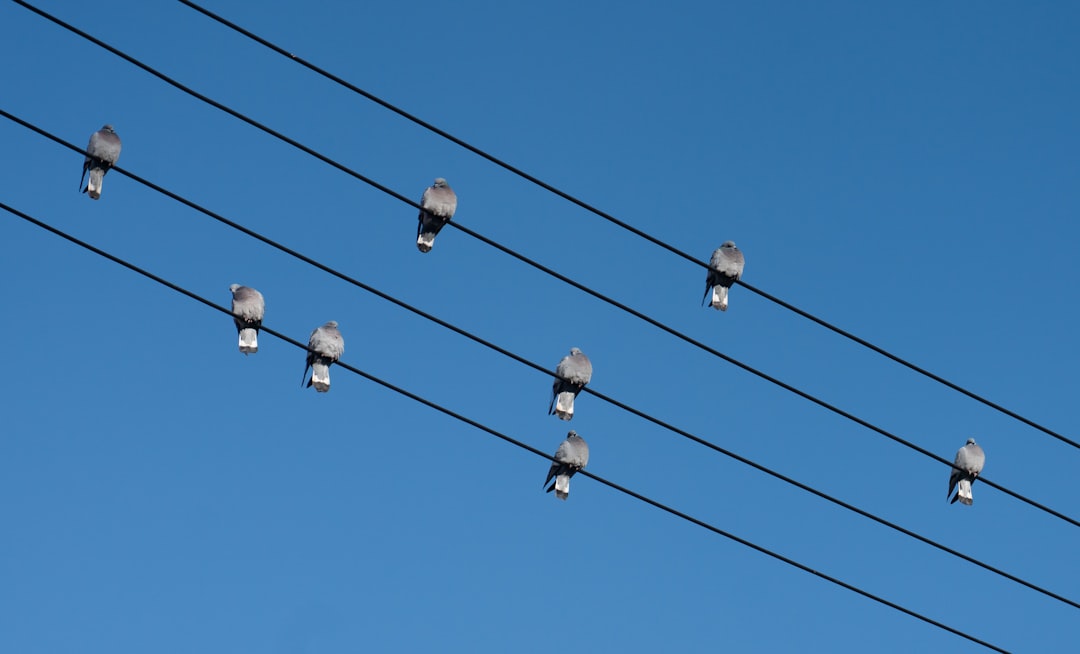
(516, 255)
(630, 409)
(522, 258)
(653, 322)
(511, 440)
(612, 219)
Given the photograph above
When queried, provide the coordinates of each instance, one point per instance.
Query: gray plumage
(572, 455)
(324, 348)
(576, 369)
(248, 308)
(101, 154)
(725, 268)
(970, 460)
(439, 204)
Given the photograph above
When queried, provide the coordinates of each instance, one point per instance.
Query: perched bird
(725, 268)
(101, 154)
(324, 348)
(439, 204)
(248, 308)
(576, 369)
(572, 455)
(969, 459)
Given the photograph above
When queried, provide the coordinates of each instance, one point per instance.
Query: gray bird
(439, 204)
(576, 369)
(101, 154)
(324, 348)
(248, 308)
(572, 455)
(725, 268)
(970, 460)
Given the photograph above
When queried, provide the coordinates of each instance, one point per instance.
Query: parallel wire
(612, 219)
(522, 258)
(476, 339)
(509, 439)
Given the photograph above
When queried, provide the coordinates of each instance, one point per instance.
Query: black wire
(534, 264)
(526, 260)
(541, 267)
(508, 439)
(592, 293)
(656, 241)
(216, 104)
(476, 339)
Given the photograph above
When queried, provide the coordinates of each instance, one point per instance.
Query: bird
(325, 346)
(575, 369)
(248, 308)
(572, 455)
(101, 155)
(969, 463)
(725, 268)
(437, 208)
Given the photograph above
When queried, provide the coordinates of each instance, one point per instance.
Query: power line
(511, 440)
(606, 216)
(217, 105)
(476, 235)
(541, 267)
(569, 282)
(541, 369)
(476, 339)
(528, 261)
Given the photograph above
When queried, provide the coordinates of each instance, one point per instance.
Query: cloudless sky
(908, 171)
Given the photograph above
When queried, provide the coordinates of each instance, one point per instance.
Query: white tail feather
(93, 187)
(963, 491)
(425, 241)
(564, 406)
(249, 341)
(719, 298)
(562, 486)
(320, 379)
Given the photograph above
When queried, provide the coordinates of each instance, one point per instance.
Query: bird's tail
(564, 405)
(562, 487)
(320, 376)
(719, 297)
(425, 241)
(249, 340)
(963, 492)
(93, 187)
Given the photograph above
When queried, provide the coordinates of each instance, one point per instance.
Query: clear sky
(908, 171)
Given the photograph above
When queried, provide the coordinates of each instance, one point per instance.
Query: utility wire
(457, 225)
(652, 239)
(509, 439)
(535, 366)
(476, 339)
(559, 276)
(534, 264)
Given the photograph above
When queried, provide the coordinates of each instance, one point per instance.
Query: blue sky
(906, 172)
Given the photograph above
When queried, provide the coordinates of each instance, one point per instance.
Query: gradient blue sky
(909, 172)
